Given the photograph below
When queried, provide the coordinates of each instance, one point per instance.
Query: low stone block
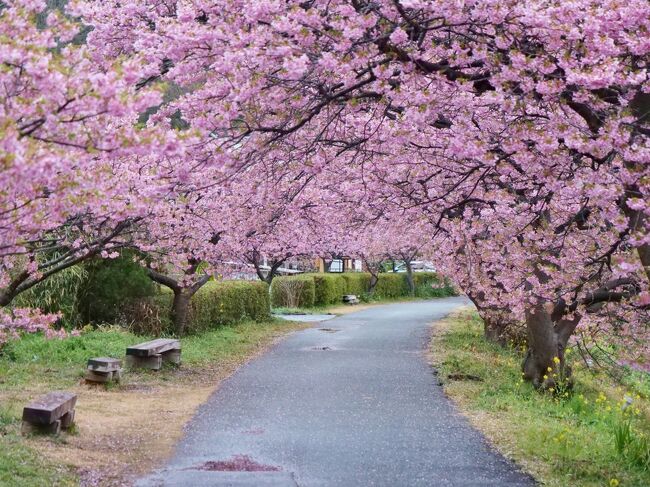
(100, 377)
(53, 428)
(172, 357)
(153, 362)
(104, 364)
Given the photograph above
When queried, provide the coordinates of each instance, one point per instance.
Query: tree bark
(494, 330)
(180, 311)
(374, 279)
(544, 364)
(409, 277)
(495, 322)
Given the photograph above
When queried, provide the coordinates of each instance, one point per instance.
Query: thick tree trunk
(374, 279)
(180, 312)
(409, 277)
(495, 322)
(544, 364)
(495, 330)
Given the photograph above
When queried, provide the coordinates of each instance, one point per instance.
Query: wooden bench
(350, 299)
(49, 413)
(103, 370)
(151, 355)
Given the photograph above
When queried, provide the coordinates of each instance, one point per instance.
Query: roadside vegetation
(319, 292)
(596, 433)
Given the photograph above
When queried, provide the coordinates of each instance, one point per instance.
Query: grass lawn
(586, 437)
(122, 430)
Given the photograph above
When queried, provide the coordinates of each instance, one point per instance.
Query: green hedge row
(330, 288)
(216, 303)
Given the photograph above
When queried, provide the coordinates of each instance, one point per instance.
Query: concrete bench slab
(49, 413)
(154, 347)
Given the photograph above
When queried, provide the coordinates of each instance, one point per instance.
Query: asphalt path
(348, 402)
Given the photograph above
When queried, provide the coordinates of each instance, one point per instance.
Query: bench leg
(93, 376)
(67, 420)
(51, 429)
(153, 363)
(172, 357)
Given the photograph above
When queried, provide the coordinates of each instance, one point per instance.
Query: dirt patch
(238, 463)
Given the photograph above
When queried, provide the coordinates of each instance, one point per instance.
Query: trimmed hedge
(357, 283)
(281, 289)
(217, 303)
(227, 302)
(391, 286)
(330, 288)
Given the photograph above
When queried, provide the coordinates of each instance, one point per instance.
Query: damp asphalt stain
(238, 463)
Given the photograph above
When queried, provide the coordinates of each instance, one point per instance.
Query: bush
(391, 286)
(430, 285)
(112, 284)
(227, 302)
(59, 293)
(216, 304)
(356, 283)
(329, 288)
(293, 292)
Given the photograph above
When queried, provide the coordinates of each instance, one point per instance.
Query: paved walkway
(349, 402)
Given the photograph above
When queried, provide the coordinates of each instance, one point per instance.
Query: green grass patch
(22, 466)
(584, 437)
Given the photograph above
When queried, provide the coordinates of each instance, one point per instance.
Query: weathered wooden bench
(49, 413)
(151, 355)
(104, 369)
(350, 299)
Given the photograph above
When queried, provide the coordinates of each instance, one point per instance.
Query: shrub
(329, 288)
(391, 286)
(431, 285)
(59, 293)
(356, 283)
(228, 302)
(293, 291)
(111, 284)
(217, 303)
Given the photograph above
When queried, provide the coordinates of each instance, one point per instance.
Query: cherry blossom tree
(517, 128)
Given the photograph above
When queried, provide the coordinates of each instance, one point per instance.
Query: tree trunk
(495, 330)
(409, 277)
(495, 322)
(374, 278)
(180, 312)
(544, 364)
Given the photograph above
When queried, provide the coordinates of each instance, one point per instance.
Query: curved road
(348, 402)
